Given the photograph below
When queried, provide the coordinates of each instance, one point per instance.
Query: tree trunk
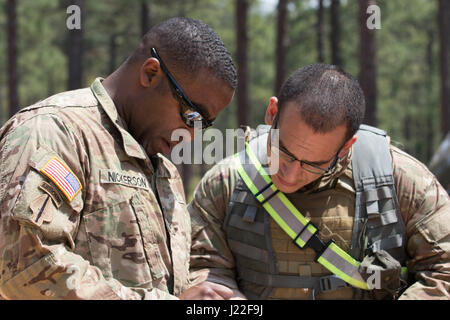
(75, 52)
(444, 28)
(320, 55)
(242, 44)
(112, 53)
(145, 17)
(12, 57)
(429, 136)
(181, 8)
(407, 132)
(335, 33)
(282, 44)
(50, 84)
(367, 54)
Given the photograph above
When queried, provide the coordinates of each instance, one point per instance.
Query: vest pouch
(381, 271)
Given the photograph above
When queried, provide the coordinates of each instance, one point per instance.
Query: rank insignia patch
(63, 177)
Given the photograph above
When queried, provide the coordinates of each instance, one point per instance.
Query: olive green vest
(359, 210)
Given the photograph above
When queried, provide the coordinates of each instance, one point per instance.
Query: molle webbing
(378, 222)
(299, 228)
(247, 224)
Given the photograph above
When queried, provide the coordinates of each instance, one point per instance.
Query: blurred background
(403, 66)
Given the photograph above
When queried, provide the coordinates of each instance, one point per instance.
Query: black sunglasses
(189, 113)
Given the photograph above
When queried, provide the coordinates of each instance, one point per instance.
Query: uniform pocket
(435, 230)
(116, 244)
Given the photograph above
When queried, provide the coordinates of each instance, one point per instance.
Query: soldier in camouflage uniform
(90, 208)
(319, 110)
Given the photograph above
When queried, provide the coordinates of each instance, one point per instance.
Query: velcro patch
(62, 176)
(42, 210)
(52, 192)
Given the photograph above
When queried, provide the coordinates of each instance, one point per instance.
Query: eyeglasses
(189, 112)
(310, 167)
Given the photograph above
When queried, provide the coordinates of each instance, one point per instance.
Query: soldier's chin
(149, 149)
(285, 186)
(163, 147)
(158, 146)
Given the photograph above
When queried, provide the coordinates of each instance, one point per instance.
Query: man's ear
(350, 142)
(149, 72)
(272, 110)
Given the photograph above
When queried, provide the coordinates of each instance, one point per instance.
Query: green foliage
(408, 80)
(41, 58)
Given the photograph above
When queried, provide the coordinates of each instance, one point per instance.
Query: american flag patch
(63, 177)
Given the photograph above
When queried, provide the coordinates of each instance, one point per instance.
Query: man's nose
(292, 170)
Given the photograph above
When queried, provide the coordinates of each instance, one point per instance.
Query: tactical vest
(359, 211)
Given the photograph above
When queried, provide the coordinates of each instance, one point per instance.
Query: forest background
(403, 63)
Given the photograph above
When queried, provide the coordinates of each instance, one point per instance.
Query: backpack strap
(378, 223)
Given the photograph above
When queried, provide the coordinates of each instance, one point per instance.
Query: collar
(130, 145)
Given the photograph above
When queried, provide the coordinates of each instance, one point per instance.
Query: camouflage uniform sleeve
(425, 208)
(211, 259)
(38, 259)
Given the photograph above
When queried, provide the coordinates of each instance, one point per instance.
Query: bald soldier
(345, 216)
(90, 208)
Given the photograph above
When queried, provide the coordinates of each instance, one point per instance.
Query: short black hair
(188, 45)
(326, 97)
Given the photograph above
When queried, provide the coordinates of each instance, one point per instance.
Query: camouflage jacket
(424, 204)
(85, 213)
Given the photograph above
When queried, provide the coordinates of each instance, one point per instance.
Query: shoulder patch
(62, 176)
(52, 192)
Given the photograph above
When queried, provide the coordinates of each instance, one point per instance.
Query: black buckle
(314, 242)
(264, 189)
(331, 283)
(323, 247)
(301, 231)
(267, 186)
